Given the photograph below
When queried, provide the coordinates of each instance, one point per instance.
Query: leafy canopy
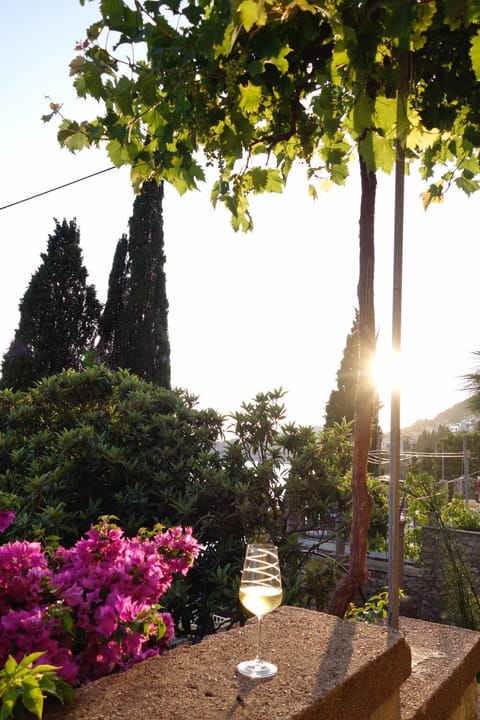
(249, 88)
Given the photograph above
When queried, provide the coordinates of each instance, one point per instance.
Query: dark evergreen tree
(111, 337)
(59, 314)
(341, 403)
(134, 327)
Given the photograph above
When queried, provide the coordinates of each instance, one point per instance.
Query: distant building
(468, 424)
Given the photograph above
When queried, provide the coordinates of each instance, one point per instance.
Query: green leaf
(252, 12)
(475, 54)
(385, 113)
(121, 17)
(72, 136)
(138, 174)
(274, 181)
(10, 666)
(259, 179)
(147, 87)
(94, 30)
(384, 153)
(339, 173)
(277, 55)
(122, 94)
(118, 153)
(32, 696)
(90, 82)
(466, 184)
(28, 660)
(361, 115)
(250, 97)
(9, 698)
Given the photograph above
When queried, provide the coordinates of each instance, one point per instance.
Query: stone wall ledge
(328, 669)
(445, 662)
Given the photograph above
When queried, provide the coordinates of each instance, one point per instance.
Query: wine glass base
(257, 668)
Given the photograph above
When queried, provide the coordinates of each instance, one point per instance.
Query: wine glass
(260, 592)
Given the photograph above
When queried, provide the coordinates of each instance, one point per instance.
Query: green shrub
(459, 515)
(373, 611)
(80, 445)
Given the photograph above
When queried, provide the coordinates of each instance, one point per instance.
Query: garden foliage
(81, 445)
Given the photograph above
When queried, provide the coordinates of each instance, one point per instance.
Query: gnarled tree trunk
(362, 502)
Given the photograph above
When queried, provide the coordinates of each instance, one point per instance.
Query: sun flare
(387, 374)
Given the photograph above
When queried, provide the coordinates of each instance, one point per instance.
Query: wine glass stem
(259, 637)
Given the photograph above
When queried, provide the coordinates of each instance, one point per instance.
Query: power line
(59, 187)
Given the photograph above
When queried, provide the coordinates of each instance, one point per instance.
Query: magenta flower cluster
(92, 608)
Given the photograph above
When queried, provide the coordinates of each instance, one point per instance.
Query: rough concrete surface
(327, 669)
(445, 661)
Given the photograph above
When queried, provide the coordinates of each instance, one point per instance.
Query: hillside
(450, 416)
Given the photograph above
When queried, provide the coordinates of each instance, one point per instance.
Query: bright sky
(248, 313)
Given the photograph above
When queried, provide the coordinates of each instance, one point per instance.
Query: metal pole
(466, 488)
(394, 549)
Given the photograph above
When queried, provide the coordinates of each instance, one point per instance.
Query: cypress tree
(59, 314)
(134, 326)
(111, 336)
(341, 403)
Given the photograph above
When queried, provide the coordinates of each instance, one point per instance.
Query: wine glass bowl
(260, 592)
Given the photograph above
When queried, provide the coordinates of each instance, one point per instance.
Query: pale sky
(248, 313)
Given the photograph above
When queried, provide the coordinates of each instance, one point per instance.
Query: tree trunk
(362, 503)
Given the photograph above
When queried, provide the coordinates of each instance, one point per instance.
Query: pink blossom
(6, 519)
(106, 620)
(100, 596)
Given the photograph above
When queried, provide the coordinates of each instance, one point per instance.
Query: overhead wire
(59, 187)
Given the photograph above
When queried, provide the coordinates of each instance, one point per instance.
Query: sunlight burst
(387, 374)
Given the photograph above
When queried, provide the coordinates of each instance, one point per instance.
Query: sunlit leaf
(252, 12)
(419, 138)
(433, 194)
(385, 113)
(362, 114)
(32, 696)
(423, 13)
(384, 153)
(118, 153)
(250, 97)
(279, 60)
(274, 181)
(475, 54)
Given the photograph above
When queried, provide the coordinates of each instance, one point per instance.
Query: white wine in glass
(260, 592)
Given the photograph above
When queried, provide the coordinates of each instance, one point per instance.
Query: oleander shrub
(80, 445)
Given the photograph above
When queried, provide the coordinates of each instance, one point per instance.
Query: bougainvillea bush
(93, 609)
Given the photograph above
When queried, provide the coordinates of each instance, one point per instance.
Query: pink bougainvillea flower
(6, 519)
(93, 609)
